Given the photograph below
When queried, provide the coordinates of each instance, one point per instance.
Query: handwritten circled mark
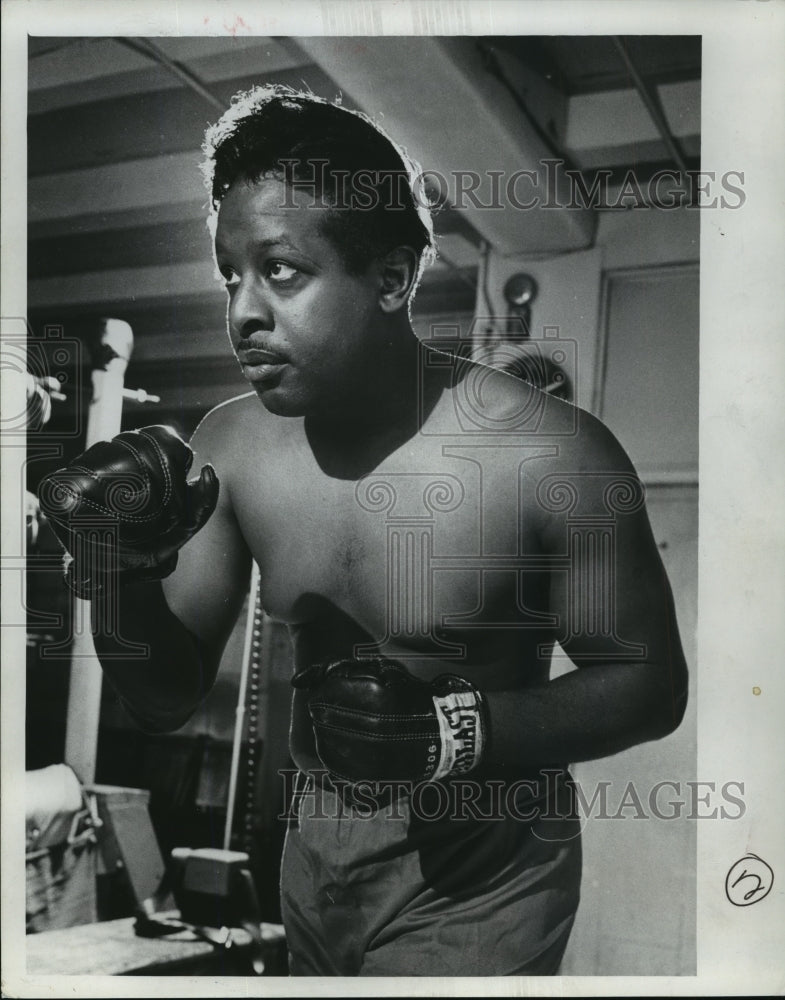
(749, 880)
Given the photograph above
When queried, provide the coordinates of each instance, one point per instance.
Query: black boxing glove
(374, 721)
(125, 508)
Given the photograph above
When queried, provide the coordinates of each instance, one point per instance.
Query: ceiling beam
(123, 220)
(135, 125)
(96, 60)
(123, 284)
(435, 97)
(134, 184)
(162, 243)
(634, 157)
(261, 62)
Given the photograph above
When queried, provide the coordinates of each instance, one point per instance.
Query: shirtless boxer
(428, 528)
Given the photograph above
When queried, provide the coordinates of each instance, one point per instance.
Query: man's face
(301, 326)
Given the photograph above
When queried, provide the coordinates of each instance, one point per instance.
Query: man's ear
(398, 271)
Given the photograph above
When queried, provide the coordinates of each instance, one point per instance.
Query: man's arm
(615, 611)
(183, 620)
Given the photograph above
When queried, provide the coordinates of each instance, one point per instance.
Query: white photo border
(742, 445)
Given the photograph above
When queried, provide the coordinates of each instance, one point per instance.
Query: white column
(111, 355)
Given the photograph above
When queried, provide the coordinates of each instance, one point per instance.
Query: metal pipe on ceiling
(650, 99)
(152, 51)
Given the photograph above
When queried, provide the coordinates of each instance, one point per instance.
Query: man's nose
(249, 308)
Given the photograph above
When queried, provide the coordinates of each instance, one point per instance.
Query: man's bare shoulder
(236, 427)
(505, 408)
(490, 399)
(574, 463)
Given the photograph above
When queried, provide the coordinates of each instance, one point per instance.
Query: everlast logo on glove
(460, 728)
(375, 721)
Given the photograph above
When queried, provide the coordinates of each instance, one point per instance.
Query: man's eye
(281, 273)
(231, 277)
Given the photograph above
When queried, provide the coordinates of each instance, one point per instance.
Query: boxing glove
(374, 721)
(124, 508)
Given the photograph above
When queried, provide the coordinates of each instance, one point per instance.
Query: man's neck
(387, 410)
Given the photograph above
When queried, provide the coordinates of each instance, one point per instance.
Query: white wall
(567, 301)
(647, 392)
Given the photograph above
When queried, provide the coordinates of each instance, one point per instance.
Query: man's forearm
(589, 713)
(157, 666)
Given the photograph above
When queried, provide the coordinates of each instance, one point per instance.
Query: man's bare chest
(431, 539)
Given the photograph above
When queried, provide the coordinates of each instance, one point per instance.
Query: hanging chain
(252, 732)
